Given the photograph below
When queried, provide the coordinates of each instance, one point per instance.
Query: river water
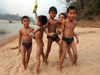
(11, 29)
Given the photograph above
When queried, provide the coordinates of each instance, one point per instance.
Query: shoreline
(7, 21)
(8, 40)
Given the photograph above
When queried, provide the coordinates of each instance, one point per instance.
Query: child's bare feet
(23, 69)
(59, 69)
(72, 64)
(77, 65)
(45, 63)
(36, 72)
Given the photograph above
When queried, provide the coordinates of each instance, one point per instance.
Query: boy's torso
(51, 25)
(25, 34)
(39, 36)
(69, 29)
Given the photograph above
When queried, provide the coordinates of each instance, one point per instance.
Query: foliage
(89, 8)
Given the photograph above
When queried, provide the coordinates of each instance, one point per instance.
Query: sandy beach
(88, 56)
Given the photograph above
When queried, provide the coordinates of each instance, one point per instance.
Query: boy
(67, 34)
(62, 17)
(38, 33)
(51, 26)
(26, 46)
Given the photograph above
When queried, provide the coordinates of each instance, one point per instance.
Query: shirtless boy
(67, 34)
(41, 21)
(51, 26)
(26, 46)
(58, 23)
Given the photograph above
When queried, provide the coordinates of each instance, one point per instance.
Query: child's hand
(59, 29)
(19, 49)
(57, 23)
(60, 42)
(32, 35)
(77, 40)
(34, 10)
(52, 34)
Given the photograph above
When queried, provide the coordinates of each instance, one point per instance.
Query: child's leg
(73, 46)
(48, 50)
(70, 54)
(63, 55)
(38, 53)
(60, 51)
(60, 48)
(43, 56)
(23, 52)
(28, 55)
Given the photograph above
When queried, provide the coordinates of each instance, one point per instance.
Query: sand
(88, 57)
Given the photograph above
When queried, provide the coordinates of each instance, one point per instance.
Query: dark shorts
(68, 41)
(53, 38)
(27, 46)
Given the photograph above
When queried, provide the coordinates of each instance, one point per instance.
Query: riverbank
(8, 40)
(88, 56)
(7, 21)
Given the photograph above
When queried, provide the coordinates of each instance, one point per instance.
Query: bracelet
(33, 32)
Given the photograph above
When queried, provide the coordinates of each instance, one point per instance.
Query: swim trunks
(53, 38)
(27, 46)
(68, 41)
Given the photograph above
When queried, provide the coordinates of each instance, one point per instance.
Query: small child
(50, 30)
(58, 23)
(67, 34)
(26, 46)
(38, 34)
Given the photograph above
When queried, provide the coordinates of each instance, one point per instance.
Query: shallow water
(11, 29)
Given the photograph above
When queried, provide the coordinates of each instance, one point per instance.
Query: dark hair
(24, 18)
(52, 9)
(42, 19)
(64, 15)
(71, 8)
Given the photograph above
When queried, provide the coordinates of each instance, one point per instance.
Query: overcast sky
(25, 7)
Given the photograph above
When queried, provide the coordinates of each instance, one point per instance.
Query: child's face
(52, 14)
(61, 18)
(25, 22)
(71, 14)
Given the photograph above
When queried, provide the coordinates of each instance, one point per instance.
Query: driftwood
(14, 47)
(2, 31)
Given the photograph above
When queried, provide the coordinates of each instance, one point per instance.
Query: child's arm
(32, 34)
(77, 40)
(62, 33)
(36, 16)
(19, 42)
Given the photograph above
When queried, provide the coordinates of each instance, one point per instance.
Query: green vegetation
(13, 17)
(87, 9)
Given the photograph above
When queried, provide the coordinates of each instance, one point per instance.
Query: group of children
(52, 27)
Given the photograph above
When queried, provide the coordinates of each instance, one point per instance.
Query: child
(51, 26)
(26, 46)
(67, 34)
(62, 17)
(41, 20)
